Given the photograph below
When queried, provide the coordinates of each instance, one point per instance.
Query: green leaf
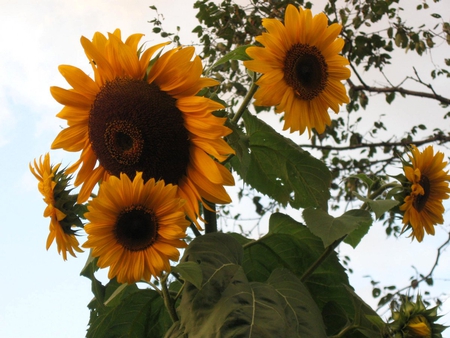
(190, 272)
(329, 228)
(88, 271)
(228, 305)
(366, 320)
(335, 318)
(240, 143)
(380, 206)
(237, 54)
(291, 245)
(281, 169)
(390, 97)
(140, 314)
(298, 304)
(363, 177)
(355, 237)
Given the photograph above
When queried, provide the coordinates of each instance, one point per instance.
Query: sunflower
(135, 227)
(429, 186)
(144, 116)
(59, 230)
(413, 319)
(301, 69)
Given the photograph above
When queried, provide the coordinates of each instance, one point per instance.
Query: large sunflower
(301, 69)
(141, 116)
(135, 228)
(63, 233)
(429, 186)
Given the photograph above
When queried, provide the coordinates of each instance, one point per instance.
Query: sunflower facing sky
(429, 186)
(301, 69)
(63, 233)
(140, 116)
(135, 227)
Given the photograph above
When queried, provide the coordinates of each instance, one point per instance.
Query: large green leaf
(120, 310)
(228, 305)
(140, 314)
(330, 228)
(280, 168)
(291, 245)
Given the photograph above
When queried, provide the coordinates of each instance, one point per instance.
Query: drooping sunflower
(412, 319)
(429, 186)
(142, 116)
(59, 228)
(135, 227)
(301, 69)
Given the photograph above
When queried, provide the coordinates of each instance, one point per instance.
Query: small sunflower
(138, 115)
(301, 69)
(413, 320)
(59, 228)
(429, 186)
(135, 227)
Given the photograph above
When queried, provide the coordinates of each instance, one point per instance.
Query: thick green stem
(210, 217)
(245, 103)
(169, 302)
(321, 259)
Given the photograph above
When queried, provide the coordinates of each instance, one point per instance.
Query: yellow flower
(414, 320)
(141, 116)
(429, 186)
(135, 228)
(418, 326)
(65, 237)
(302, 71)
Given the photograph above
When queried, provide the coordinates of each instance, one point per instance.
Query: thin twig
(424, 278)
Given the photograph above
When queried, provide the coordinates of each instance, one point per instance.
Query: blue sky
(42, 295)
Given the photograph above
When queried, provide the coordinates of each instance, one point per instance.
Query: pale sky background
(44, 296)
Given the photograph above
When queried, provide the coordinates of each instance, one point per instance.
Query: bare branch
(400, 90)
(436, 138)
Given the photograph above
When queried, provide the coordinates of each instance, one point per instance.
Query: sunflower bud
(414, 320)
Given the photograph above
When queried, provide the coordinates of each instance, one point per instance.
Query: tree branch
(400, 90)
(436, 138)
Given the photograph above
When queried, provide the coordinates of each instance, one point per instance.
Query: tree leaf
(281, 169)
(329, 228)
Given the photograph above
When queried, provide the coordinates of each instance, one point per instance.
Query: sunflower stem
(245, 103)
(169, 302)
(195, 230)
(210, 218)
(321, 259)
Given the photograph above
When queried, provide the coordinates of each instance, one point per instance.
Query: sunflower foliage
(274, 102)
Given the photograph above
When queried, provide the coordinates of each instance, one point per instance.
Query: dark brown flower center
(305, 70)
(421, 200)
(136, 228)
(134, 126)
